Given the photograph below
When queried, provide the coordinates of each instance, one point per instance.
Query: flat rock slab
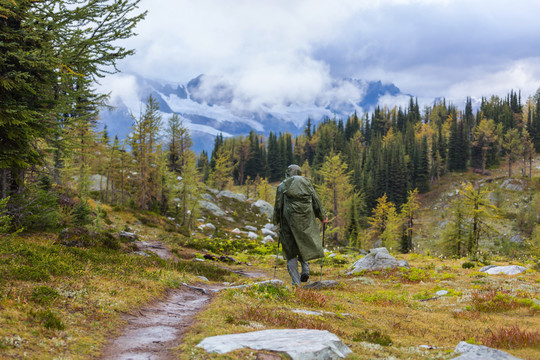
(479, 352)
(506, 270)
(299, 344)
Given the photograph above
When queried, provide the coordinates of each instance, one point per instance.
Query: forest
(368, 168)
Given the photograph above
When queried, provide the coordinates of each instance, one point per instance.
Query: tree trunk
(4, 183)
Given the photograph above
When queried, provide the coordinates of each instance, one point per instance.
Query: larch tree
(222, 172)
(409, 213)
(514, 146)
(144, 144)
(484, 135)
(335, 192)
(383, 224)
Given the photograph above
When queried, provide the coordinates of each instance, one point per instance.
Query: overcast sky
(270, 49)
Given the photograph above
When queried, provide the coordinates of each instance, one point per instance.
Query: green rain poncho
(297, 205)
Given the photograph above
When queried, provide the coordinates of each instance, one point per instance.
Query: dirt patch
(158, 327)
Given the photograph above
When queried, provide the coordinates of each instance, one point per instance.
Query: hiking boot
(304, 277)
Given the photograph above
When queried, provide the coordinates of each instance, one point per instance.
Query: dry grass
(512, 337)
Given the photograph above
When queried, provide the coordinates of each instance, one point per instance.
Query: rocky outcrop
(298, 344)
(377, 259)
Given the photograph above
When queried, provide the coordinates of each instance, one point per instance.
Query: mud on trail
(151, 332)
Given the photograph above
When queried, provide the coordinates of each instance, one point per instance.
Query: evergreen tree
(408, 214)
(484, 136)
(335, 192)
(513, 145)
(144, 144)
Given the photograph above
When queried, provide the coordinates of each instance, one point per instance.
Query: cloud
(277, 52)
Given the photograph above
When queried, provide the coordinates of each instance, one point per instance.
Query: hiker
(297, 205)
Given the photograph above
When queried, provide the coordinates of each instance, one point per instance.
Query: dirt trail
(160, 326)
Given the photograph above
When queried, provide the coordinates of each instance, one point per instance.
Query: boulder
(376, 259)
(505, 270)
(267, 239)
(263, 208)
(252, 235)
(271, 227)
(209, 226)
(298, 344)
(251, 228)
(480, 352)
(513, 184)
(230, 195)
(266, 232)
(213, 208)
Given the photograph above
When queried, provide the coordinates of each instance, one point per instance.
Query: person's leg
(292, 268)
(304, 276)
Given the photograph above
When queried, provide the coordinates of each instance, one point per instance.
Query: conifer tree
(408, 214)
(484, 136)
(335, 192)
(222, 172)
(383, 223)
(144, 144)
(513, 145)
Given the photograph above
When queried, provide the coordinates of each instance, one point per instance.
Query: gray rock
(271, 227)
(403, 264)
(517, 239)
(485, 268)
(274, 282)
(230, 195)
(505, 270)
(207, 197)
(479, 352)
(128, 235)
(213, 191)
(267, 239)
(265, 232)
(263, 208)
(324, 284)
(513, 184)
(441, 292)
(213, 208)
(237, 231)
(307, 312)
(376, 259)
(208, 226)
(251, 228)
(252, 235)
(299, 344)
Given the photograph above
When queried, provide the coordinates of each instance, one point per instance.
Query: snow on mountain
(210, 105)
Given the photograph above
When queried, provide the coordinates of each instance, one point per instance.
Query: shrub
(494, 300)
(374, 337)
(512, 338)
(44, 295)
(468, 265)
(50, 320)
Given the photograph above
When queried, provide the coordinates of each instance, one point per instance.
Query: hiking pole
(277, 254)
(322, 259)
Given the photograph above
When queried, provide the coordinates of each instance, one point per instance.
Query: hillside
(65, 296)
